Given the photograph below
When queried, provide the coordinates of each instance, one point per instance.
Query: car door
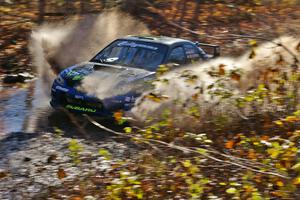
(192, 53)
(177, 56)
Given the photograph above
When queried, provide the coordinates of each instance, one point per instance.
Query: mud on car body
(136, 58)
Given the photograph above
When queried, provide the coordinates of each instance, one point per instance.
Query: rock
(3, 174)
(17, 78)
(51, 158)
(29, 165)
(26, 159)
(97, 180)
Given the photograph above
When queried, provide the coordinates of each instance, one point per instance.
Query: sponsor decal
(133, 45)
(72, 73)
(76, 76)
(78, 108)
(79, 97)
(130, 99)
(61, 88)
(116, 101)
(127, 99)
(193, 56)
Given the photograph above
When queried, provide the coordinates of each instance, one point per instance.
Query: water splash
(55, 46)
(209, 90)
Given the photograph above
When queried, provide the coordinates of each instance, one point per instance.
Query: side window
(177, 56)
(192, 53)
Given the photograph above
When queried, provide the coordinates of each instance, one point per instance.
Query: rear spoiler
(213, 50)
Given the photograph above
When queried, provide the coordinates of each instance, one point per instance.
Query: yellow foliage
(280, 183)
(279, 123)
(297, 181)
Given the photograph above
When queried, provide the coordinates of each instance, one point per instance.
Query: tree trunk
(68, 7)
(195, 21)
(42, 5)
(82, 6)
(181, 20)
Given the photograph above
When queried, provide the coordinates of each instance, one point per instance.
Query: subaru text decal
(78, 108)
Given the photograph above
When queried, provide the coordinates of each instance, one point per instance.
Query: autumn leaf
(106, 154)
(195, 96)
(265, 137)
(248, 188)
(296, 167)
(252, 54)
(162, 69)
(156, 98)
(61, 173)
(296, 181)
(187, 163)
(128, 129)
(298, 47)
(231, 190)
(202, 151)
(280, 183)
(76, 198)
(118, 115)
(3, 174)
(235, 76)
(297, 113)
(253, 43)
(279, 123)
(153, 98)
(221, 69)
(252, 154)
(229, 144)
(273, 152)
(291, 119)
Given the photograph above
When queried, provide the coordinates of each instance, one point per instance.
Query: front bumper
(74, 101)
(77, 102)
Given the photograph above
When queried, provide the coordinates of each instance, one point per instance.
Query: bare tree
(181, 20)
(42, 5)
(195, 21)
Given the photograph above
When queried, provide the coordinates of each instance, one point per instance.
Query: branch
(184, 150)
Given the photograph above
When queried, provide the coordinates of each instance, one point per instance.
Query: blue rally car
(135, 57)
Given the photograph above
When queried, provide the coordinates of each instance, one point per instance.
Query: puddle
(21, 106)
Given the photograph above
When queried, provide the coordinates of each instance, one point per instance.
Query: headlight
(60, 80)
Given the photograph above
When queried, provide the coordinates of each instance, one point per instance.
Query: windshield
(144, 55)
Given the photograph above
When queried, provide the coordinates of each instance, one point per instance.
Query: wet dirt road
(32, 150)
(25, 108)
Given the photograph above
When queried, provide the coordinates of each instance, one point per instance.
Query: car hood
(77, 73)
